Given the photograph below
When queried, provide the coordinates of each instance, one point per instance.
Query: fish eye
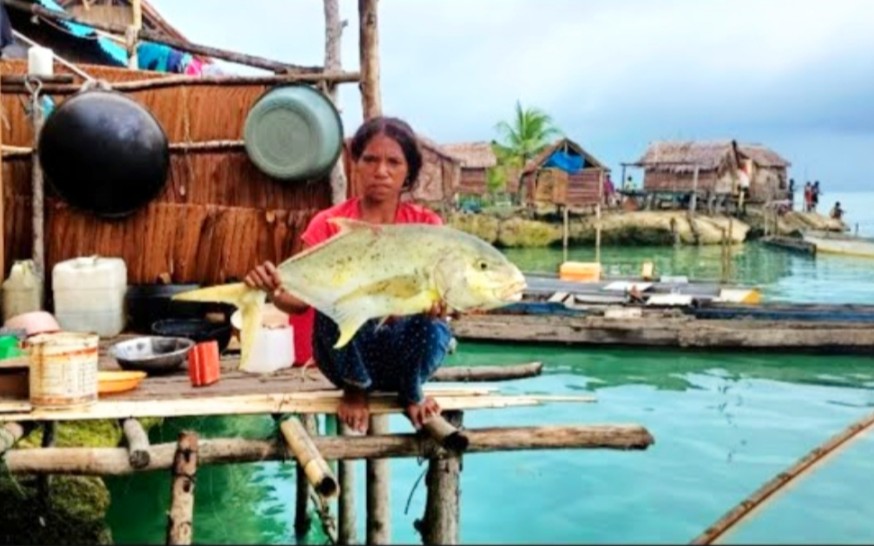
(482, 265)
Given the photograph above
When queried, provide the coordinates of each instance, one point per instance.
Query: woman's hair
(397, 130)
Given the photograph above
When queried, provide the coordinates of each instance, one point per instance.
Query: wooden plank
(260, 404)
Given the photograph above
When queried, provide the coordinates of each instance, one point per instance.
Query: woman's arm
(266, 277)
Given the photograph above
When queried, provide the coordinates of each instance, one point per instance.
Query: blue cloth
(116, 52)
(155, 57)
(400, 356)
(571, 164)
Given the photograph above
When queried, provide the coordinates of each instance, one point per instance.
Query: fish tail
(250, 302)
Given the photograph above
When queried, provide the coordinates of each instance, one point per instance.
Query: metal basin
(151, 354)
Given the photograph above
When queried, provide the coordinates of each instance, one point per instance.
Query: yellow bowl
(113, 382)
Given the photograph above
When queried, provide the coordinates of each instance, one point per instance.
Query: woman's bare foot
(353, 410)
(422, 412)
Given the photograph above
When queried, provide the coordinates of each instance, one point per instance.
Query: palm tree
(528, 135)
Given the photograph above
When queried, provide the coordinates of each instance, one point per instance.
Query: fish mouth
(513, 293)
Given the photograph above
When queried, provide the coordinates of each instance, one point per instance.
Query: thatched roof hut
(476, 159)
(669, 166)
(564, 174)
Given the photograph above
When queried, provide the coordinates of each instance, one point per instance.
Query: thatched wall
(217, 217)
(476, 158)
(557, 187)
(472, 181)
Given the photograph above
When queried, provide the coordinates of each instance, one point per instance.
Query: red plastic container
(203, 364)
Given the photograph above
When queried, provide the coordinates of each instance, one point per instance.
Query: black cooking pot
(148, 303)
(104, 153)
(197, 330)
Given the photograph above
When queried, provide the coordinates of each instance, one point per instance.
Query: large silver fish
(371, 271)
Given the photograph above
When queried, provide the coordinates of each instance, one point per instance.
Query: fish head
(478, 277)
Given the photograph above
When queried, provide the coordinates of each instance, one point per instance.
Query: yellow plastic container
(580, 271)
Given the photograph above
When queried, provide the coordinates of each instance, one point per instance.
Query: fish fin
(382, 322)
(349, 320)
(249, 301)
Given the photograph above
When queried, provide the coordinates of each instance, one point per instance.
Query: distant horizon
(795, 76)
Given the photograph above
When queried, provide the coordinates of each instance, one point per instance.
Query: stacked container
(89, 294)
(22, 291)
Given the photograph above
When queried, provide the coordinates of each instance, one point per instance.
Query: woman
(402, 354)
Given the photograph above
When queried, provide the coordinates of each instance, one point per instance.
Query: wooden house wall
(581, 188)
(217, 217)
(665, 180)
(472, 181)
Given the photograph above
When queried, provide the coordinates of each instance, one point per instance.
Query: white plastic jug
(22, 291)
(40, 61)
(272, 350)
(89, 294)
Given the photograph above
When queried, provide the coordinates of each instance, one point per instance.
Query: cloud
(614, 75)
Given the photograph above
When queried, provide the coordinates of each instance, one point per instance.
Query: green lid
(293, 132)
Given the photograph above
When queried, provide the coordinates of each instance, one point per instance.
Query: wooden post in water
(369, 58)
(302, 518)
(565, 230)
(441, 522)
(347, 532)
(180, 518)
(378, 501)
(333, 36)
(49, 429)
(693, 203)
(598, 216)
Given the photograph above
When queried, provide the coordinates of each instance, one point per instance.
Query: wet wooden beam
(180, 518)
(441, 521)
(347, 531)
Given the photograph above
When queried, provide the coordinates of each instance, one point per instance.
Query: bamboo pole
(87, 461)
(157, 37)
(445, 434)
(488, 373)
(137, 443)
(368, 48)
(11, 433)
(564, 232)
(180, 518)
(21, 79)
(302, 520)
(173, 81)
(348, 532)
(38, 186)
(132, 33)
(378, 499)
(307, 454)
(440, 524)
(779, 483)
(333, 37)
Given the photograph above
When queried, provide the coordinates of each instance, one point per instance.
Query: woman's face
(382, 169)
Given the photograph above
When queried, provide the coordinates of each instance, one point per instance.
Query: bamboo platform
(671, 329)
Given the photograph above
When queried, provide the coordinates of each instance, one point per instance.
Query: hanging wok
(105, 153)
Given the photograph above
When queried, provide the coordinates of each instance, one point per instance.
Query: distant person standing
(815, 192)
(807, 196)
(791, 194)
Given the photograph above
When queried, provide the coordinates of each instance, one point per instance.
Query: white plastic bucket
(63, 369)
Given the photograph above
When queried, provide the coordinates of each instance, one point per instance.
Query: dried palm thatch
(684, 156)
(217, 216)
(473, 155)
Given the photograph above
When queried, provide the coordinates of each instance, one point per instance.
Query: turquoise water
(724, 424)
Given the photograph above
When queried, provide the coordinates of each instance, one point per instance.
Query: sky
(614, 75)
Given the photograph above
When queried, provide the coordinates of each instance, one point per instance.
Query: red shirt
(318, 230)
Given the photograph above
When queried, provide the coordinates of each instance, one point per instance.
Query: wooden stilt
(348, 534)
(307, 454)
(440, 524)
(43, 483)
(333, 36)
(180, 519)
(302, 519)
(37, 183)
(137, 443)
(378, 513)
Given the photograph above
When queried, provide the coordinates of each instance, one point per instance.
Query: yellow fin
(249, 301)
(349, 321)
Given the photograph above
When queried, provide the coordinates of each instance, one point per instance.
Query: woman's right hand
(264, 277)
